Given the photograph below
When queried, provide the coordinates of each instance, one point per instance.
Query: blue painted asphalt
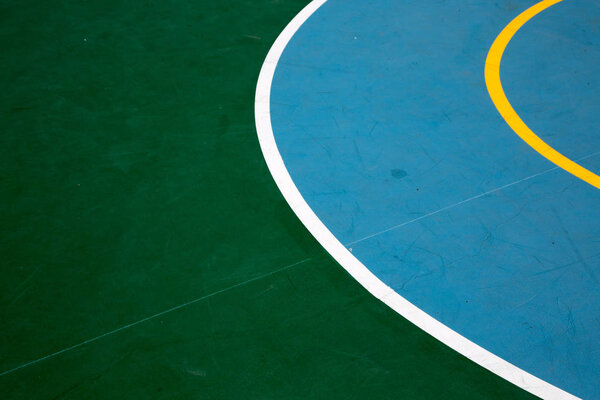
(382, 116)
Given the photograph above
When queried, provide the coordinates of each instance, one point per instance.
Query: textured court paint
(132, 181)
(481, 232)
(494, 85)
(564, 112)
(344, 256)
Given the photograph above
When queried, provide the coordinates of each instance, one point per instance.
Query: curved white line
(343, 256)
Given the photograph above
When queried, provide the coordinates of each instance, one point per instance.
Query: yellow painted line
(494, 86)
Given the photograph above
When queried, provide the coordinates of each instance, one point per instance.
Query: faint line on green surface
(122, 328)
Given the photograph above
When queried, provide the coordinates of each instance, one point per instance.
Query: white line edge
(345, 258)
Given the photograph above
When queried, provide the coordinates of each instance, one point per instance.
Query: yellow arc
(494, 86)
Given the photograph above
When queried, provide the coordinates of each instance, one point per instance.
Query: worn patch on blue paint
(382, 116)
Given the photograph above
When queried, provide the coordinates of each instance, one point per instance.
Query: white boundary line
(346, 259)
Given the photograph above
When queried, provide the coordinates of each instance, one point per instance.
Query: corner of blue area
(382, 117)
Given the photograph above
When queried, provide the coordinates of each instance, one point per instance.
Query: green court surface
(146, 251)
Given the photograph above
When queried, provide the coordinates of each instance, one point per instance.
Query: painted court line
(345, 258)
(492, 80)
(152, 317)
(464, 201)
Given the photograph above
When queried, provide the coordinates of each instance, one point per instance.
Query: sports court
(289, 199)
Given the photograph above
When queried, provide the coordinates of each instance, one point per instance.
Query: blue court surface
(381, 114)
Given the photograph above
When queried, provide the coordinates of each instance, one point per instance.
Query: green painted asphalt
(131, 182)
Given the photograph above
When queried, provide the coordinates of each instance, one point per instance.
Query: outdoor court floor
(384, 200)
